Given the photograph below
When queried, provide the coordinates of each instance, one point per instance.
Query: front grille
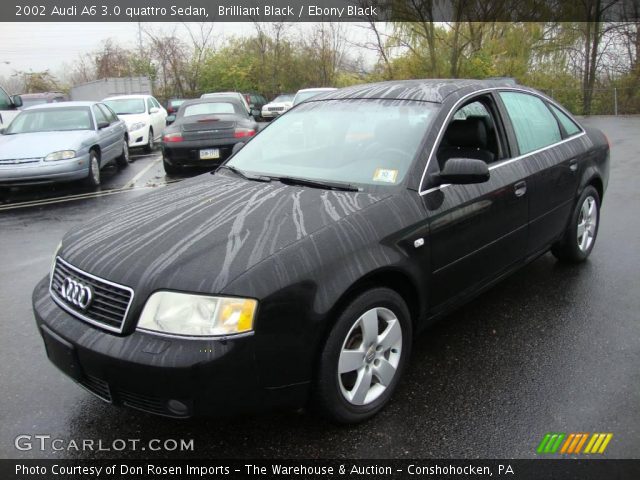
(98, 387)
(19, 161)
(276, 109)
(109, 306)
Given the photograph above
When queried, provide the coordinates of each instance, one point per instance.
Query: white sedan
(144, 116)
(278, 106)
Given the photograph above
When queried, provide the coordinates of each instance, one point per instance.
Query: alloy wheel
(370, 356)
(587, 222)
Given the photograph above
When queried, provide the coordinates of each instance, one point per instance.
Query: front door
(476, 231)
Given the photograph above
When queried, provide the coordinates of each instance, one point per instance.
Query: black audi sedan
(204, 133)
(300, 271)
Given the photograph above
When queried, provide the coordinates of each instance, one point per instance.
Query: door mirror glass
(17, 101)
(2, 131)
(103, 124)
(154, 110)
(170, 119)
(255, 113)
(463, 171)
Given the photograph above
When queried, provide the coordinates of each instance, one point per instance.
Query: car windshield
(363, 142)
(126, 106)
(283, 98)
(208, 109)
(51, 120)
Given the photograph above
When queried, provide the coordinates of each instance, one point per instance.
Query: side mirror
(463, 171)
(170, 119)
(154, 110)
(255, 113)
(102, 125)
(237, 147)
(2, 131)
(17, 101)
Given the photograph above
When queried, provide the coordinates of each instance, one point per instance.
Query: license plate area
(210, 154)
(61, 353)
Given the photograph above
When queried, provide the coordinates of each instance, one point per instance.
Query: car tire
(124, 159)
(93, 178)
(580, 236)
(367, 348)
(149, 147)
(170, 169)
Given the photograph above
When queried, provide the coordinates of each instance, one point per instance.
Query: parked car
(58, 142)
(205, 132)
(301, 269)
(31, 99)
(307, 93)
(255, 101)
(278, 106)
(144, 116)
(9, 107)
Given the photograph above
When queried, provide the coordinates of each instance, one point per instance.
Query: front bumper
(187, 153)
(165, 376)
(44, 172)
(139, 138)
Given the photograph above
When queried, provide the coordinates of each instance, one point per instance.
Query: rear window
(209, 109)
(569, 125)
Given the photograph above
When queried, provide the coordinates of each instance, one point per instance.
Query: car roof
(427, 90)
(41, 94)
(62, 105)
(216, 99)
(318, 89)
(120, 97)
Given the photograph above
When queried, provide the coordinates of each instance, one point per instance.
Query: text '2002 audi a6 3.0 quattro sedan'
(300, 270)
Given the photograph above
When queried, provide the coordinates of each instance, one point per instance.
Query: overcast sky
(41, 46)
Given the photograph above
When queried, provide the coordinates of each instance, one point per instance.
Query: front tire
(580, 237)
(124, 159)
(151, 144)
(93, 179)
(363, 357)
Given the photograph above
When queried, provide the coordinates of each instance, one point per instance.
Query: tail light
(172, 137)
(244, 132)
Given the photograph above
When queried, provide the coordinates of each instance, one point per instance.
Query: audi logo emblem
(76, 293)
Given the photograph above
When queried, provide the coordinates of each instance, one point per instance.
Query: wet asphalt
(554, 348)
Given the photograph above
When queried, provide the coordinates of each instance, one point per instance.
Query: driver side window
(472, 133)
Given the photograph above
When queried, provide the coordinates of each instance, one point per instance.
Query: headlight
(53, 260)
(61, 155)
(197, 315)
(136, 126)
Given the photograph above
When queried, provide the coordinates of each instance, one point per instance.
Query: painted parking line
(140, 174)
(81, 196)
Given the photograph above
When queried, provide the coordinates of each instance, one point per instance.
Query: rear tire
(363, 357)
(580, 237)
(148, 148)
(124, 159)
(93, 179)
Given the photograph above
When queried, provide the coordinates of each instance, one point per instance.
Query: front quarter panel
(299, 286)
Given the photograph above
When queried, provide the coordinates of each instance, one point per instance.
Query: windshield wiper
(345, 187)
(246, 176)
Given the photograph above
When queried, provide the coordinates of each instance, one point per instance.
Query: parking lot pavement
(552, 349)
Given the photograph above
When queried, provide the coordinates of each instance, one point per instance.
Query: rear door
(544, 148)
(107, 137)
(477, 231)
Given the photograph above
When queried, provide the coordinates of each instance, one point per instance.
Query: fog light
(178, 407)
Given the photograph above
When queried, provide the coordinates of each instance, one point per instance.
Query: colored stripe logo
(573, 443)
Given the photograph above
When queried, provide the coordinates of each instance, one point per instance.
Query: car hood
(279, 104)
(41, 144)
(201, 234)
(134, 118)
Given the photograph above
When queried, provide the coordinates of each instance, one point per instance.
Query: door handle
(520, 188)
(573, 165)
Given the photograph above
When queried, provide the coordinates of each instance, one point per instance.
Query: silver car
(61, 142)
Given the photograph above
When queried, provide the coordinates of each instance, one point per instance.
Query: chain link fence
(604, 101)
